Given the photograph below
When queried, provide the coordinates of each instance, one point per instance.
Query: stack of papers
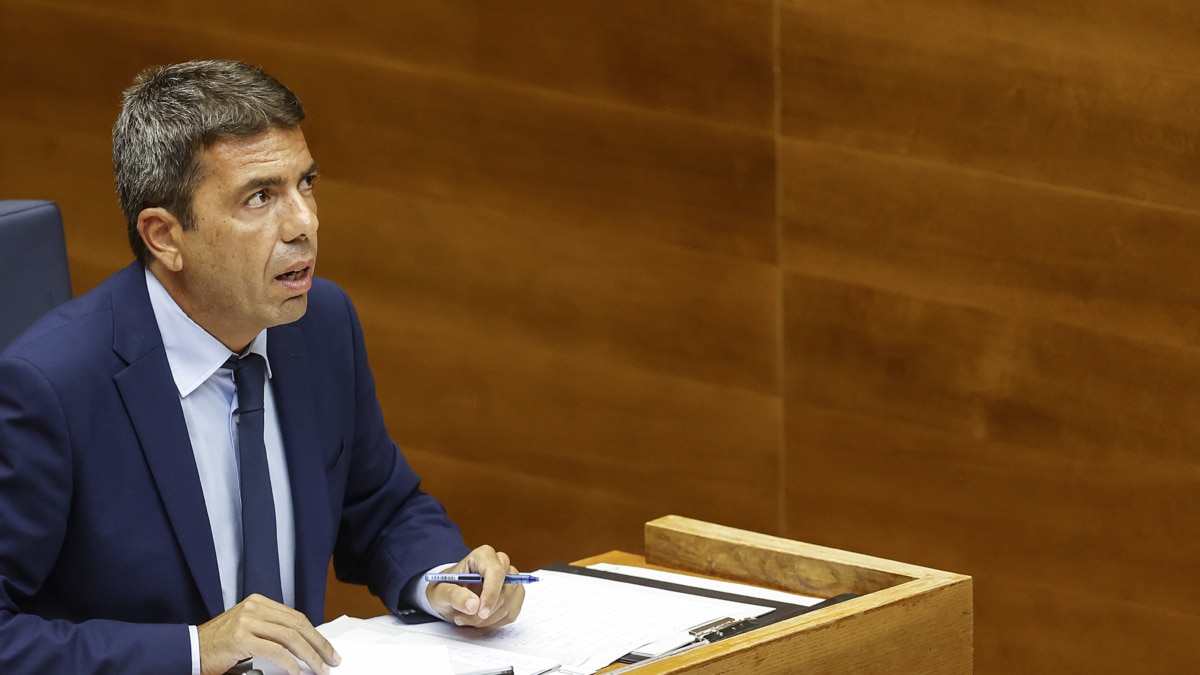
(586, 623)
(570, 624)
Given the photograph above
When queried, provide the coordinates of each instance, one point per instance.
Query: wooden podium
(909, 619)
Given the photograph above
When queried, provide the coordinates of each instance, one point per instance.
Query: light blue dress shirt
(208, 396)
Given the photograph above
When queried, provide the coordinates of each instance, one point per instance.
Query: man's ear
(161, 233)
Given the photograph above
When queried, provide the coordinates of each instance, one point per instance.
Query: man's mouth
(293, 275)
(296, 282)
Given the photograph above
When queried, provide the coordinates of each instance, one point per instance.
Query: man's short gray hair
(170, 113)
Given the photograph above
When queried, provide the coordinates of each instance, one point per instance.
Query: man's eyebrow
(261, 182)
(274, 181)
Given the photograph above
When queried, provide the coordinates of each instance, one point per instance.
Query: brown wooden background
(912, 279)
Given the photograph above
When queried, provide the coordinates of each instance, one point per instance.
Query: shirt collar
(192, 352)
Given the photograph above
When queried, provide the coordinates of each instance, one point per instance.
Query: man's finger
(262, 628)
(493, 566)
(302, 641)
(462, 599)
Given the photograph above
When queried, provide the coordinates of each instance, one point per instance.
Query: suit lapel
(291, 382)
(152, 401)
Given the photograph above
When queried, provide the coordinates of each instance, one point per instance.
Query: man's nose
(301, 220)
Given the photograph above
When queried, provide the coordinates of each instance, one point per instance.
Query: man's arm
(36, 498)
(404, 531)
(390, 531)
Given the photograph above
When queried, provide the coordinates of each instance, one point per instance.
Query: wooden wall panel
(990, 310)
(1045, 420)
(630, 301)
(1046, 459)
(1101, 98)
(711, 60)
(61, 70)
(936, 231)
(629, 173)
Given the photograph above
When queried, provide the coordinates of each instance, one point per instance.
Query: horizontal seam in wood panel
(994, 175)
(1045, 459)
(428, 71)
(605, 237)
(413, 193)
(1025, 317)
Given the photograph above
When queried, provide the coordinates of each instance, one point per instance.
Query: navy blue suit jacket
(106, 552)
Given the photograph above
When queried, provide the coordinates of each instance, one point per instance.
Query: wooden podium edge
(765, 560)
(908, 618)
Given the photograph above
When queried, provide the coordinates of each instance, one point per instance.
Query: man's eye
(307, 182)
(257, 199)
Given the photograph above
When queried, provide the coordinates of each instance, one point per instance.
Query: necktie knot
(250, 376)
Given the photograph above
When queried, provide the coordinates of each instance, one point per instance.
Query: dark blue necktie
(260, 548)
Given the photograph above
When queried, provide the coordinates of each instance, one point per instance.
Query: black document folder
(716, 631)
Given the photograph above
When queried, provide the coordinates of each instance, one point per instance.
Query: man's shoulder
(75, 327)
(330, 321)
(329, 327)
(326, 290)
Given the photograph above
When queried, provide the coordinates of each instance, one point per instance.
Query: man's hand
(490, 604)
(260, 627)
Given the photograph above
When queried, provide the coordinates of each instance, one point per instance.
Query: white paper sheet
(587, 623)
(379, 658)
(465, 657)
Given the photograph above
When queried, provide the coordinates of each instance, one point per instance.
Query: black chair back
(34, 277)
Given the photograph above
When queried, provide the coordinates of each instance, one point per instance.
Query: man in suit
(131, 538)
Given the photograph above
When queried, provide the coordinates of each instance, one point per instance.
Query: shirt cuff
(416, 594)
(194, 635)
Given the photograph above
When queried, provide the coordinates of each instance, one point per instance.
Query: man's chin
(293, 309)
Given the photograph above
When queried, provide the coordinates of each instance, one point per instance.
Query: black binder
(717, 630)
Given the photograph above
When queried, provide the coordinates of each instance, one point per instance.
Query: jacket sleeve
(390, 529)
(35, 502)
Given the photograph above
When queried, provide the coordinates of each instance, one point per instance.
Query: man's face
(248, 264)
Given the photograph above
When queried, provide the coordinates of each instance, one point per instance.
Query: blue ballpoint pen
(443, 577)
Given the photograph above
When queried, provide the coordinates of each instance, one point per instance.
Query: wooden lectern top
(909, 619)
